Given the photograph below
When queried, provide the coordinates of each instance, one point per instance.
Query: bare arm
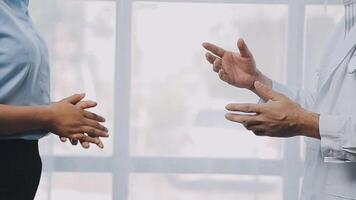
(62, 118)
(15, 119)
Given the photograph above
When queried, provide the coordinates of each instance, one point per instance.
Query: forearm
(16, 119)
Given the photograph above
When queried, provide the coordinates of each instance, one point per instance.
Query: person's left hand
(83, 105)
(279, 117)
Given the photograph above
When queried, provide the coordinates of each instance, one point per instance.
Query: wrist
(46, 118)
(260, 77)
(309, 124)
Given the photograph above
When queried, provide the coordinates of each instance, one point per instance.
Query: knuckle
(282, 117)
(91, 131)
(82, 121)
(97, 125)
(96, 116)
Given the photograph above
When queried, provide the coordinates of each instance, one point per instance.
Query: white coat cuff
(331, 133)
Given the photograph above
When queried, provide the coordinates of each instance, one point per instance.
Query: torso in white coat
(330, 169)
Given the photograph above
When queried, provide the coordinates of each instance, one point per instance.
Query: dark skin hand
(65, 118)
(74, 122)
(84, 105)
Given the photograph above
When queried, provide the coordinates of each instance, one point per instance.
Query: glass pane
(89, 186)
(320, 24)
(81, 40)
(178, 102)
(207, 187)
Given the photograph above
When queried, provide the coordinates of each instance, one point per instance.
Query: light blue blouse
(24, 66)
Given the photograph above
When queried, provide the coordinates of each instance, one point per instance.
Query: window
(143, 62)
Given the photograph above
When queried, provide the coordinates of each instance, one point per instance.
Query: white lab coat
(330, 163)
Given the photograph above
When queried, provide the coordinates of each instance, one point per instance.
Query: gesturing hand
(237, 69)
(73, 122)
(279, 117)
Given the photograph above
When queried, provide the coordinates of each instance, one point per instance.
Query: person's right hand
(237, 69)
(87, 104)
(70, 121)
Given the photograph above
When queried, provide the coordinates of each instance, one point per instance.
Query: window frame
(121, 164)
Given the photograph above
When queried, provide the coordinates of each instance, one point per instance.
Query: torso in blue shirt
(24, 68)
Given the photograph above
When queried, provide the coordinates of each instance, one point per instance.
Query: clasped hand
(69, 119)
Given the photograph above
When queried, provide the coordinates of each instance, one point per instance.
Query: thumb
(74, 99)
(244, 51)
(266, 92)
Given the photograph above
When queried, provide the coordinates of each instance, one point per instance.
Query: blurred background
(142, 61)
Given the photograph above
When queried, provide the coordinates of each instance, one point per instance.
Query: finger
(214, 49)
(85, 145)
(95, 124)
(86, 104)
(74, 99)
(85, 138)
(94, 116)
(100, 145)
(245, 107)
(223, 75)
(244, 51)
(266, 92)
(252, 125)
(217, 65)
(94, 132)
(239, 118)
(63, 139)
(210, 57)
(74, 141)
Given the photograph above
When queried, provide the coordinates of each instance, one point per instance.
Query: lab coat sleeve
(338, 138)
(338, 133)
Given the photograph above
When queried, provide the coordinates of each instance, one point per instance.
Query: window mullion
(121, 142)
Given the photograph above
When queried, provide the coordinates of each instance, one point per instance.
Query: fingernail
(227, 107)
